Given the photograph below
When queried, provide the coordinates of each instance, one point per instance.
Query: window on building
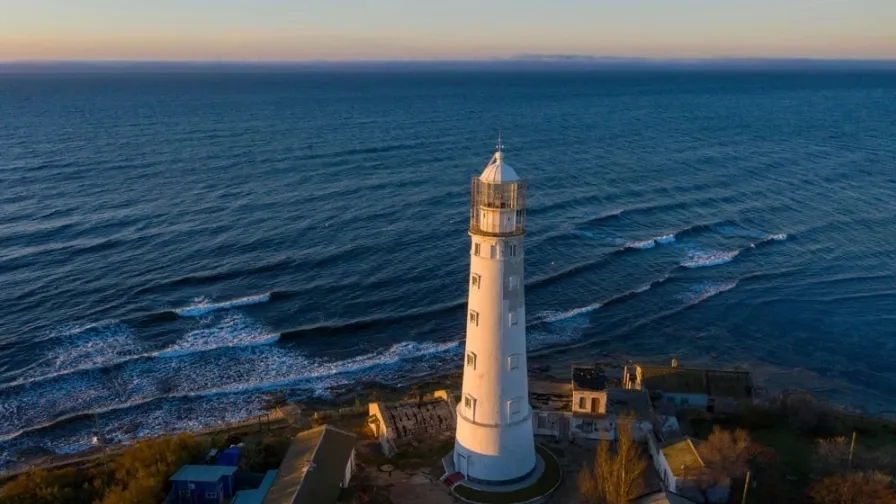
(512, 318)
(595, 405)
(513, 408)
(513, 362)
(493, 251)
(542, 422)
(471, 360)
(477, 249)
(514, 283)
(475, 280)
(474, 317)
(581, 402)
(511, 250)
(470, 406)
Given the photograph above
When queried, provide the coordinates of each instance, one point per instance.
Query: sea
(177, 247)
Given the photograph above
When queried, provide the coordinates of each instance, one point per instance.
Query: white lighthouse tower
(494, 442)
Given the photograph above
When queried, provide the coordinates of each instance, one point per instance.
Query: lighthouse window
(511, 250)
(476, 280)
(513, 408)
(474, 317)
(471, 360)
(470, 406)
(477, 249)
(512, 318)
(514, 282)
(513, 362)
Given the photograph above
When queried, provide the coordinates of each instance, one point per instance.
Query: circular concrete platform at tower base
(544, 480)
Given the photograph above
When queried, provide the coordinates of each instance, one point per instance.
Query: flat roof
(588, 378)
(681, 454)
(202, 473)
(257, 495)
(312, 471)
(624, 401)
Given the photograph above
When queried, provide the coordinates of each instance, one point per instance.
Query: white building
(494, 440)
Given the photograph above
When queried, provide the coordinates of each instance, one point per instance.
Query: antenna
(500, 145)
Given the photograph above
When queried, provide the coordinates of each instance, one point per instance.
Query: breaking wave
(703, 259)
(234, 331)
(551, 316)
(99, 347)
(652, 242)
(245, 370)
(704, 291)
(204, 306)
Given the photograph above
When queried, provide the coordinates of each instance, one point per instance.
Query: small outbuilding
(203, 484)
(318, 465)
(229, 457)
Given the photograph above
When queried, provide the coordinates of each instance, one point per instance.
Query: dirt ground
(414, 477)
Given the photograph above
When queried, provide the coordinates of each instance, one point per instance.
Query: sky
(278, 30)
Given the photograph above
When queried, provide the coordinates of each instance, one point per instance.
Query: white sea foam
(203, 306)
(647, 244)
(702, 259)
(88, 346)
(235, 330)
(187, 374)
(704, 291)
(99, 346)
(641, 245)
(776, 237)
(558, 316)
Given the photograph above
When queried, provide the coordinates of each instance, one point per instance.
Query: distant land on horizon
(517, 62)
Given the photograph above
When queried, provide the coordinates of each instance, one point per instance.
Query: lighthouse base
(539, 484)
(495, 455)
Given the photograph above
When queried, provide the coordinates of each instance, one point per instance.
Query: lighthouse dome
(498, 171)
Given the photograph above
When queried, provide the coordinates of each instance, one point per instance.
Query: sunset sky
(455, 29)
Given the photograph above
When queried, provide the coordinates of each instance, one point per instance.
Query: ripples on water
(175, 247)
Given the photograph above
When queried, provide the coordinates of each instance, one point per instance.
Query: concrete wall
(382, 429)
(662, 466)
(349, 470)
(587, 395)
(603, 427)
(686, 401)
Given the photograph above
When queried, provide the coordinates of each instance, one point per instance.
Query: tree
(615, 477)
(726, 455)
(853, 488)
(138, 475)
(831, 455)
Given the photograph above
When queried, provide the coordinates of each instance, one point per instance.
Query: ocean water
(176, 247)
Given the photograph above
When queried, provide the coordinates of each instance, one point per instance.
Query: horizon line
(521, 58)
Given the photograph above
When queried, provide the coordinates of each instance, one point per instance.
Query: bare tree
(616, 476)
(831, 455)
(853, 488)
(726, 455)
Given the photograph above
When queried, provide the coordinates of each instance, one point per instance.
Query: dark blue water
(174, 248)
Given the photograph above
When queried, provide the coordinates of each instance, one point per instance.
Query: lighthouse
(494, 444)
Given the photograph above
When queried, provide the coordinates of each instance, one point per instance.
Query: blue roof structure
(202, 473)
(255, 496)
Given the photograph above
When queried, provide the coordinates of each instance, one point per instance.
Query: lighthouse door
(462, 464)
